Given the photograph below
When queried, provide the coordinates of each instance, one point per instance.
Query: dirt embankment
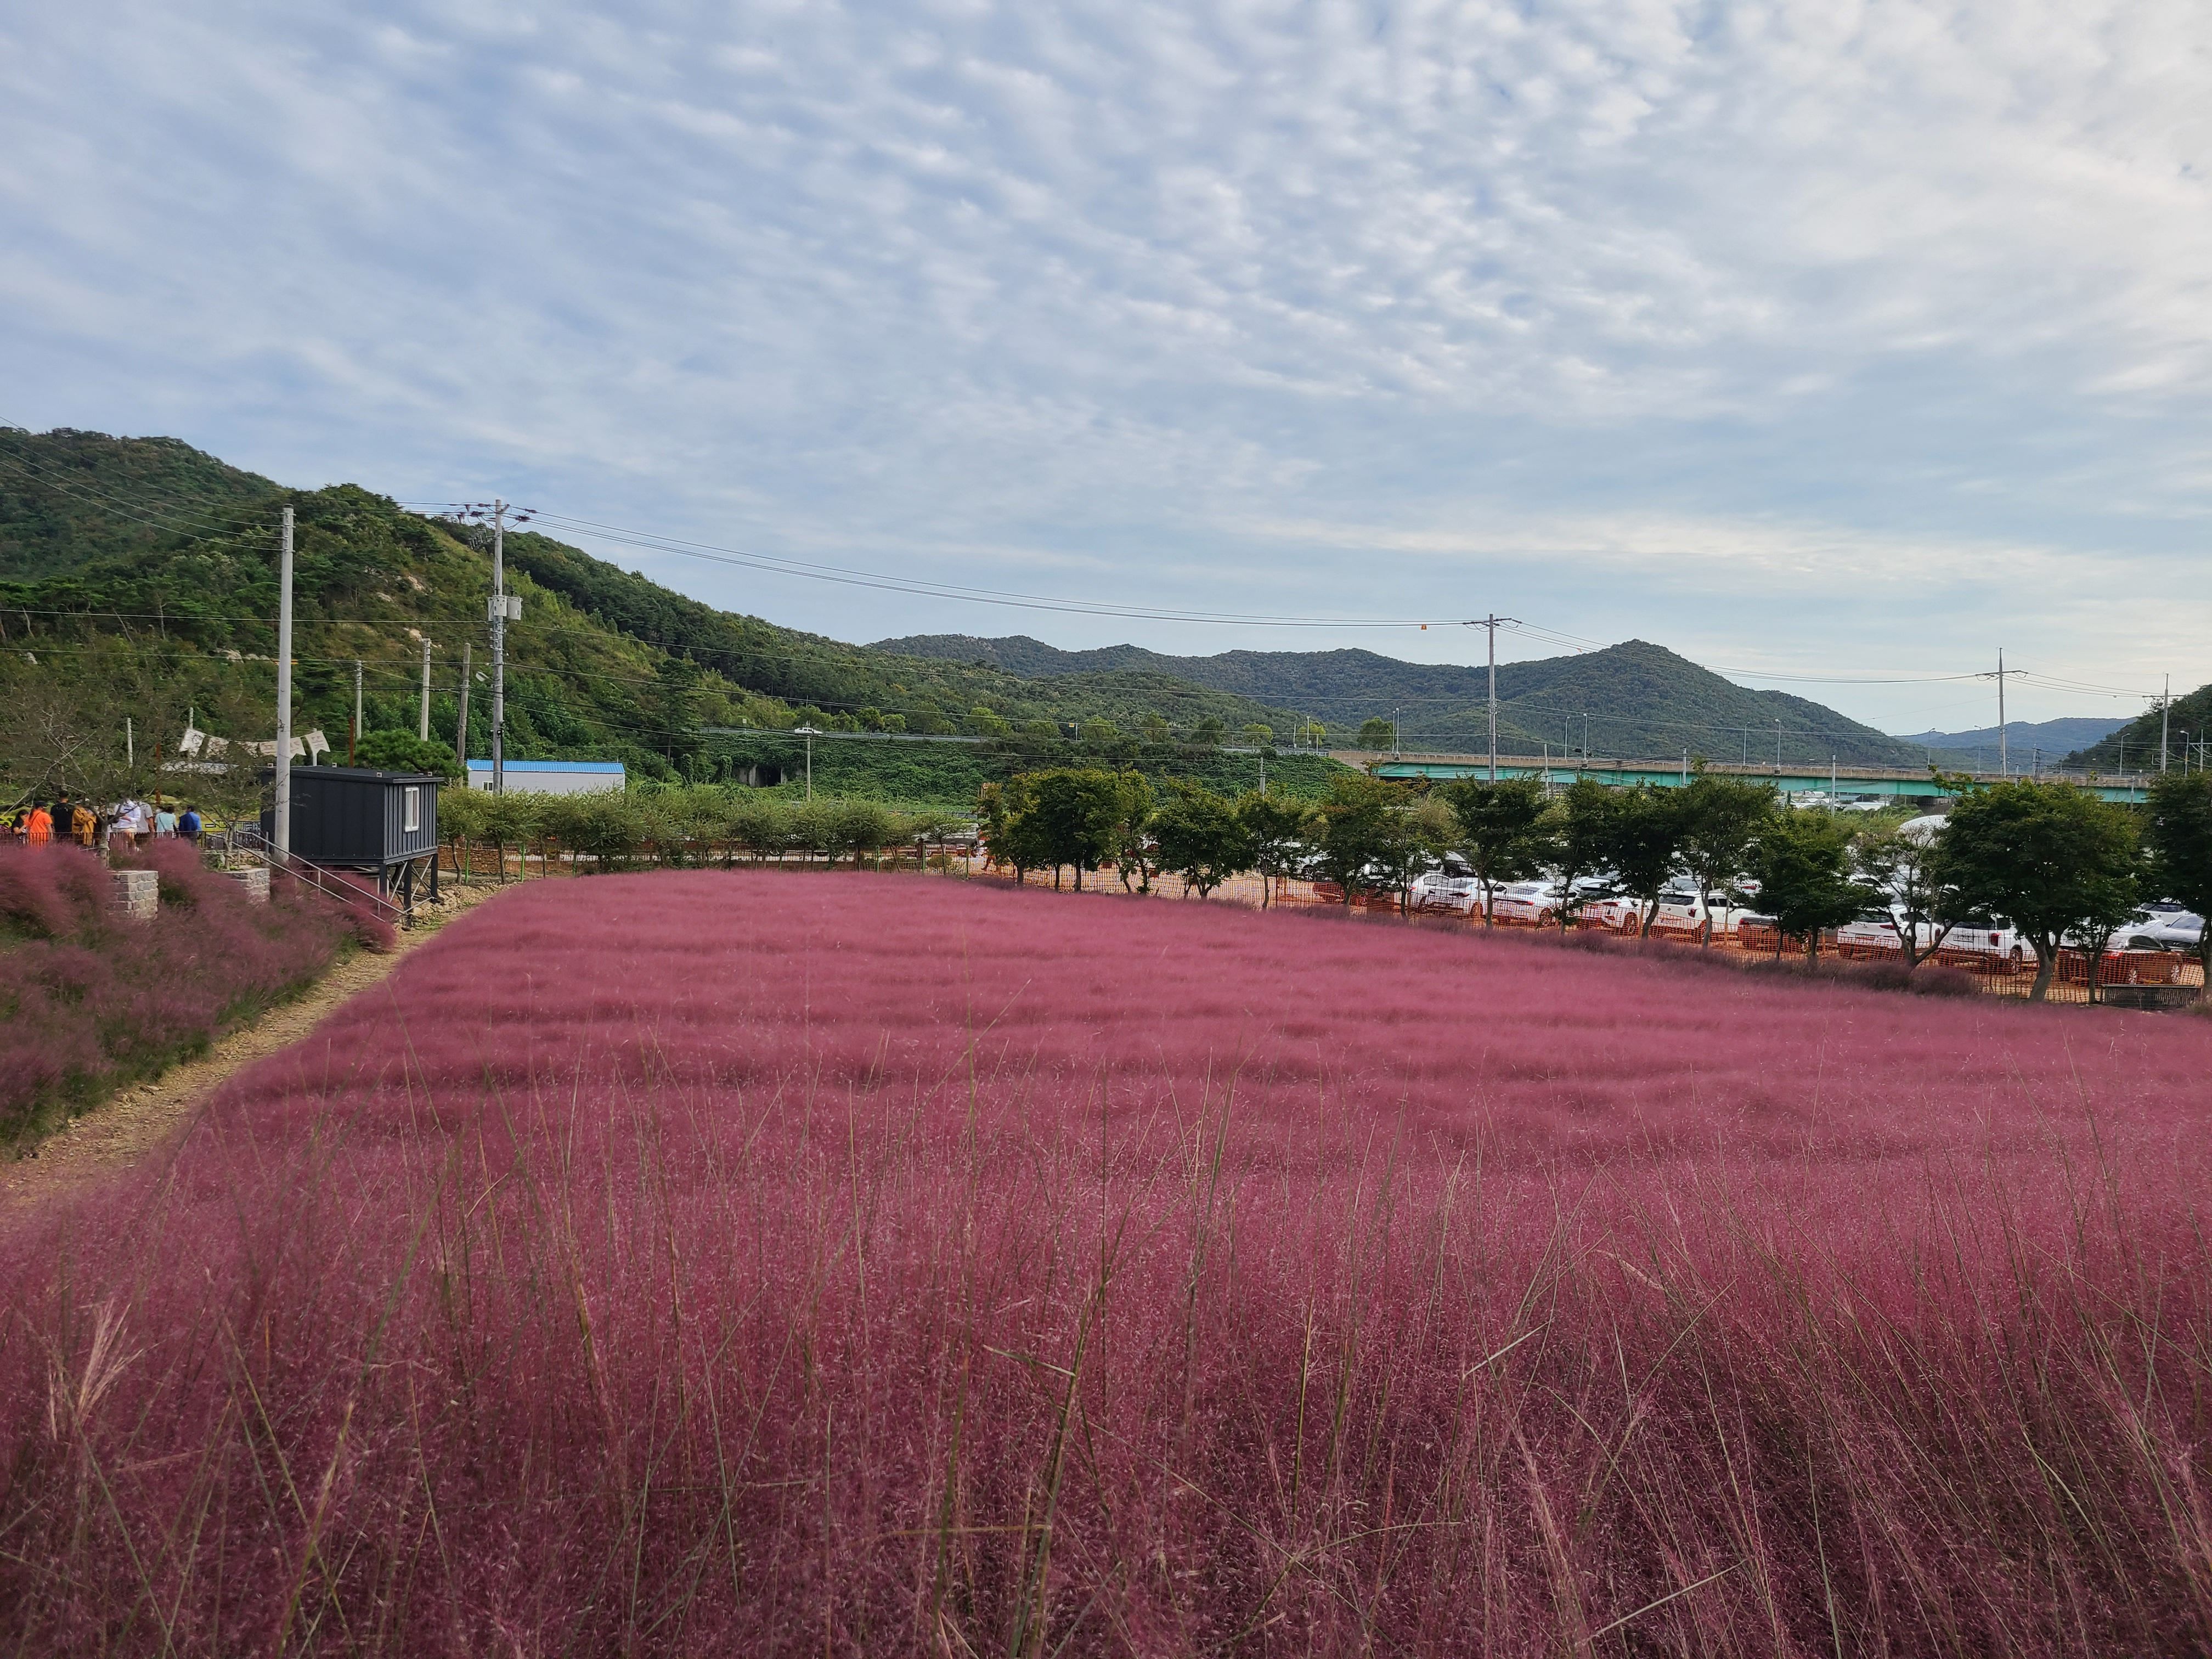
(142, 1118)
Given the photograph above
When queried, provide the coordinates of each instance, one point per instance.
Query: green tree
(1009, 825)
(1277, 826)
(1645, 844)
(1721, 822)
(1427, 830)
(1362, 824)
(396, 750)
(1077, 811)
(1207, 734)
(1200, 837)
(2050, 859)
(2177, 835)
(1803, 861)
(1576, 839)
(1904, 867)
(1133, 853)
(676, 703)
(1497, 824)
(1377, 733)
(1259, 736)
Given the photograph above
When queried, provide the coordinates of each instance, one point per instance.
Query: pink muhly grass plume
(93, 999)
(749, 1263)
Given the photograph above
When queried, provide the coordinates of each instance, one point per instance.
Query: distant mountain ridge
(139, 577)
(2023, 739)
(1639, 699)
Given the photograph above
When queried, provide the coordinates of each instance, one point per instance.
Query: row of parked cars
(2163, 926)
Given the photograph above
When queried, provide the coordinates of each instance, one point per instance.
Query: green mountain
(2134, 746)
(141, 591)
(1639, 700)
(70, 498)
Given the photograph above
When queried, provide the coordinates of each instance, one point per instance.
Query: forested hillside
(1638, 699)
(2136, 745)
(144, 592)
(70, 498)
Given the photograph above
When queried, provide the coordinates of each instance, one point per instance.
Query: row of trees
(2057, 863)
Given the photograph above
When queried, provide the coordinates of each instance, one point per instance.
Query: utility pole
(282, 816)
(425, 732)
(2004, 758)
(461, 724)
(1490, 622)
(2165, 721)
(353, 731)
(498, 647)
(130, 746)
(1777, 749)
(1585, 739)
(809, 734)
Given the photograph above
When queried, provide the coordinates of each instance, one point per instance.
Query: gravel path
(147, 1116)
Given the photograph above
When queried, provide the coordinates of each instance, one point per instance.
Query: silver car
(2162, 930)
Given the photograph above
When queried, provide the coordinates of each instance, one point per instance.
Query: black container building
(380, 824)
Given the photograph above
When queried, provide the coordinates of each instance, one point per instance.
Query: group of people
(121, 826)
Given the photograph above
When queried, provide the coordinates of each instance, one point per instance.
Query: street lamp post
(810, 733)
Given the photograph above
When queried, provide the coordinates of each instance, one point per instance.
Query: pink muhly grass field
(756, 1263)
(90, 998)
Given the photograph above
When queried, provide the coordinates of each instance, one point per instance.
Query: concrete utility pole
(2165, 721)
(425, 733)
(461, 726)
(283, 804)
(1777, 749)
(810, 733)
(498, 647)
(1490, 622)
(353, 731)
(2004, 758)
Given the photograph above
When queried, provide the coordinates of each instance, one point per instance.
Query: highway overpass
(1904, 784)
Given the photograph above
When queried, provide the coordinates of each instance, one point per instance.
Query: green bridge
(1897, 783)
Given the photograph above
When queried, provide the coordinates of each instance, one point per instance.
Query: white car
(1457, 894)
(1994, 939)
(1527, 901)
(1877, 932)
(1680, 910)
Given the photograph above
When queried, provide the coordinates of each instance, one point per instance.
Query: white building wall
(553, 777)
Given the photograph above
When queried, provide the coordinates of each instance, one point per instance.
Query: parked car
(1874, 932)
(2162, 930)
(1990, 938)
(1528, 901)
(1439, 890)
(1680, 910)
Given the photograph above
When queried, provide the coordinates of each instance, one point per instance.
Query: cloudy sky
(1849, 342)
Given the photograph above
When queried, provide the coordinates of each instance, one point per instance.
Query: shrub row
(705, 824)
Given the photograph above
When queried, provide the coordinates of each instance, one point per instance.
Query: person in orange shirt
(39, 827)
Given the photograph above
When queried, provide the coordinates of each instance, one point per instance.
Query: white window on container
(413, 809)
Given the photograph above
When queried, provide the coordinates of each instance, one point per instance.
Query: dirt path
(142, 1118)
